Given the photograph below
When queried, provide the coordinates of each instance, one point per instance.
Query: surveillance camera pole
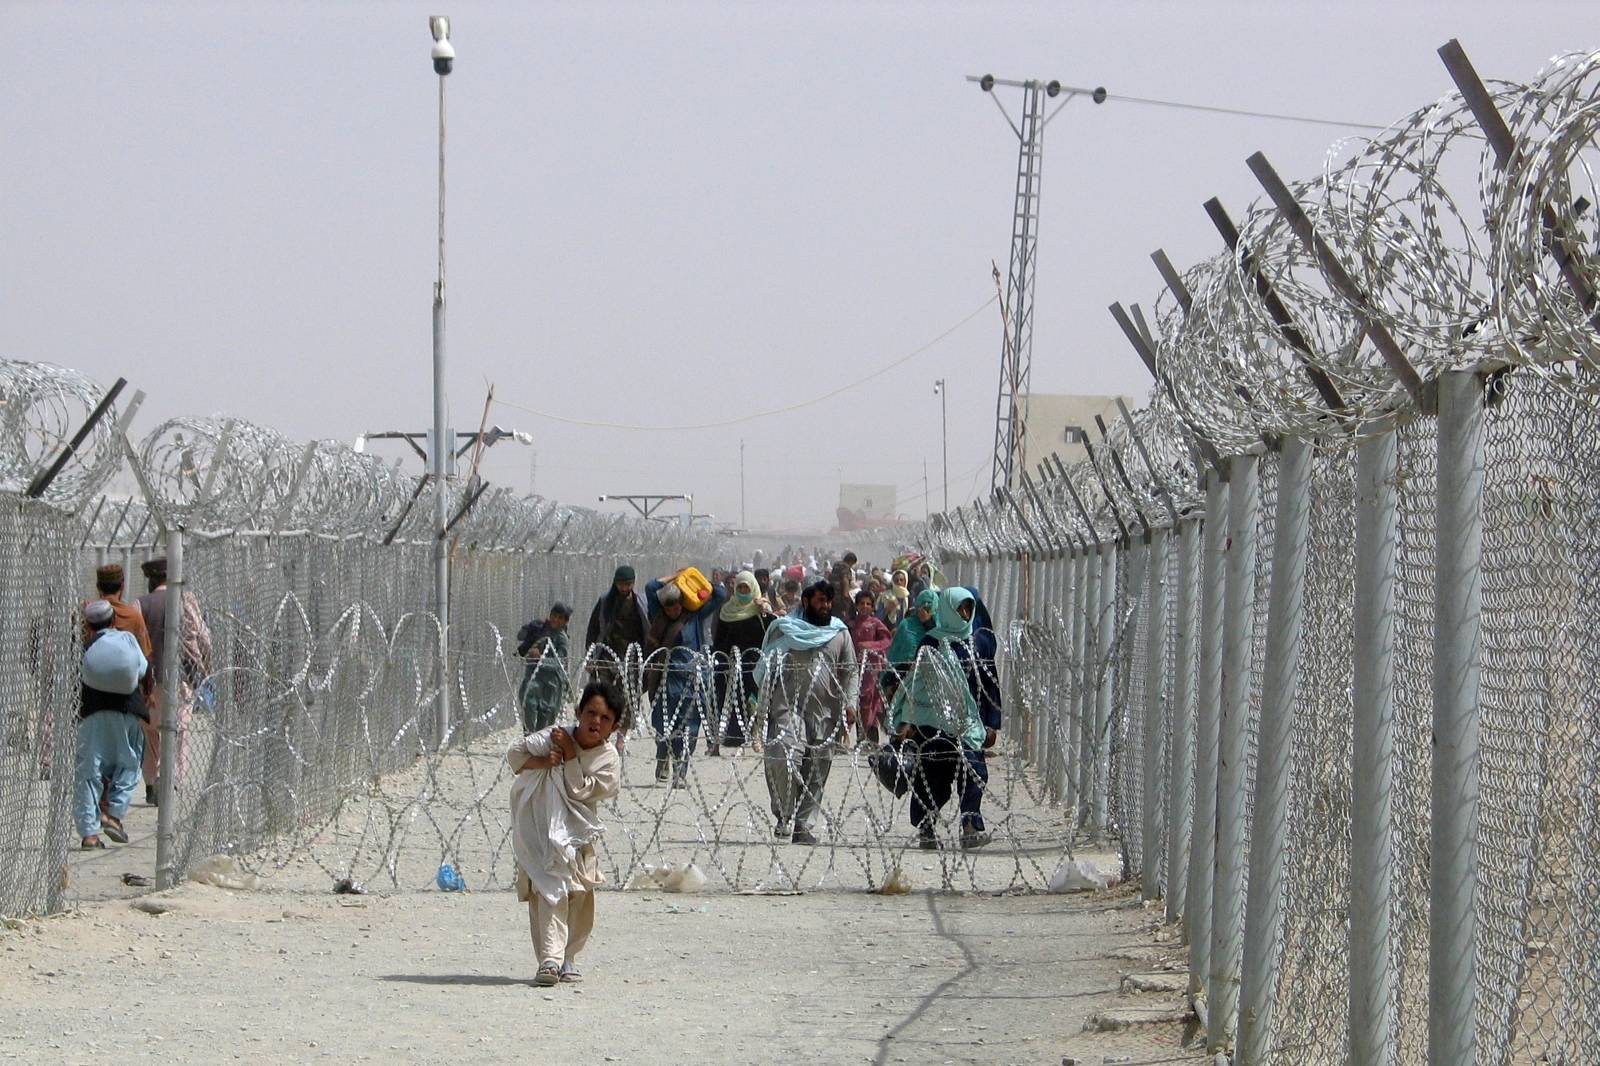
(441, 446)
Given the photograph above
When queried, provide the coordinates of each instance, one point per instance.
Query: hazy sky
(658, 213)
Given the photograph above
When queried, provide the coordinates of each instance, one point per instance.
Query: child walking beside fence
(562, 777)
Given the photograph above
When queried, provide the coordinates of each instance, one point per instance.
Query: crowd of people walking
(798, 663)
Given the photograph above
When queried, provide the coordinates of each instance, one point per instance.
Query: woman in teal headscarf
(907, 638)
(936, 710)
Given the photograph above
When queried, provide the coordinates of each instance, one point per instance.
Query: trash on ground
(224, 871)
(668, 877)
(1079, 875)
(896, 884)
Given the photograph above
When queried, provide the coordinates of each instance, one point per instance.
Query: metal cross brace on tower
(648, 503)
(1016, 353)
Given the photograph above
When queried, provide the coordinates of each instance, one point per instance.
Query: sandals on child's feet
(569, 973)
(112, 827)
(548, 975)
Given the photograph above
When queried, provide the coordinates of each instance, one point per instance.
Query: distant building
(866, 506)
(1046, 417)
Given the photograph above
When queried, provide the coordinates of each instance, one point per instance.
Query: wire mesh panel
(1532, 790)
(39, 649)
(1413, 739)
(1312, 990)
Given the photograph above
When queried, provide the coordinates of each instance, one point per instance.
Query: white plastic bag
(668, 877)
(1079, 875)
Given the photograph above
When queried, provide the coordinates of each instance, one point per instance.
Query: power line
(759, 414)
(1241, 112)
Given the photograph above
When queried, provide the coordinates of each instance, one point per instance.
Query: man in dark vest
(619, 619)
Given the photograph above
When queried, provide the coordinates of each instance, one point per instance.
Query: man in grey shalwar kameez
(809, 691)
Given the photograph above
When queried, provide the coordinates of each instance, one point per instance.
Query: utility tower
(1016, 349)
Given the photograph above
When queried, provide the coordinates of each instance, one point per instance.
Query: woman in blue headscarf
(937, 711)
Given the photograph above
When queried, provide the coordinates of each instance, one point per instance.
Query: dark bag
(895, 765)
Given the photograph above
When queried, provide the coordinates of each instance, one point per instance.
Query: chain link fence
(1352, 741)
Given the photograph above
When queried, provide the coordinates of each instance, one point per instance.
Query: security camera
(1099, 95)
(444, 53)
(986, 83)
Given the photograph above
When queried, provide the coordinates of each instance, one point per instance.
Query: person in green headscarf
(907, 638)
(937, 712)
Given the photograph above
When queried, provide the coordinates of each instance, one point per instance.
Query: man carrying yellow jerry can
(678, 671)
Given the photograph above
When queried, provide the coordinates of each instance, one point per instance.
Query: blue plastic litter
(449, 880)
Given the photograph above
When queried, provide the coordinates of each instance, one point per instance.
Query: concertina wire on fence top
(1250, 698)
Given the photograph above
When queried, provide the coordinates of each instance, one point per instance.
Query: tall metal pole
(441, 444)
(171, 684)
(1457, 643)
(742, 523)
(1372, 756)
(1238, 634)
(1270, 817)
(944, 438)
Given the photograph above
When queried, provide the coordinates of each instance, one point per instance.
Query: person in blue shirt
(678, 674)
(111, 717)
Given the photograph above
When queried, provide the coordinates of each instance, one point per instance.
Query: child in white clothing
(562, 777)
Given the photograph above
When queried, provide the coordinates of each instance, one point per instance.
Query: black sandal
(87, 846)
(112, 827)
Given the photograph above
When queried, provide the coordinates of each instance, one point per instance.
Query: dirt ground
(827, 977)
(289, 972)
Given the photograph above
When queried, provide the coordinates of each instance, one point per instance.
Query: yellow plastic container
(694, 585)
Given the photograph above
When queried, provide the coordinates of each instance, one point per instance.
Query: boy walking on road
(563, 775)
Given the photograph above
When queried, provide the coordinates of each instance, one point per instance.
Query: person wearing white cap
(110, 726)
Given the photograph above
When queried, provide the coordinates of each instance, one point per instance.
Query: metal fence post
(1074, 690)
(1180, 734)
(1238, 630)
(1088, 668)
(1457, 639)
(1279, 686)
(1208, 697)
(1372, 755)
(1060, 709)
(1152, 834)
(171, 694)
(1105, 624)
